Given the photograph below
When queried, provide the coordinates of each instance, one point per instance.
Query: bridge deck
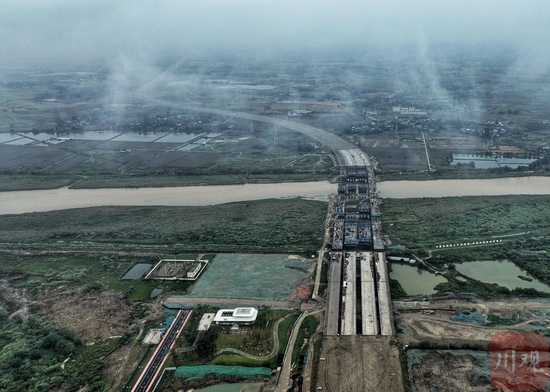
(333, 304)
(368, 294)
(349, 321)
(384, 298)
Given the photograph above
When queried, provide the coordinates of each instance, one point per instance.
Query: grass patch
(307, 328)
(284, 334)
(85, 365)
(519, 221)
(494, 320)
(259, 341)
(94, 271)
(274, 225)
(32, 182)
(420, 223)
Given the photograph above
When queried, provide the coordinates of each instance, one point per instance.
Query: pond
(415, 280)
(503, 272)
(7, 137)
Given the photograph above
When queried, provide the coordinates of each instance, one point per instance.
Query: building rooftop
(238, 315)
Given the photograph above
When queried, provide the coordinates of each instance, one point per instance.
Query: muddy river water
(64, 198)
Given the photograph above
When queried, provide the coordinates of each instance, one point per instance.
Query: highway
(152, 369)
(347, 153)
(358, 282)
(353, 157)
(334, 142)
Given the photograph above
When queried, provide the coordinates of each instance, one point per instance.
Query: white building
(194, 270)
(240, 316)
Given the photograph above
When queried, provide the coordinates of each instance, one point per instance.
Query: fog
(95, 31)
(134, 40)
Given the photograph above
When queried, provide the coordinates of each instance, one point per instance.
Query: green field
(293, 225)
(424, 223)
(521, 222)
(135, 181)
(98, 272)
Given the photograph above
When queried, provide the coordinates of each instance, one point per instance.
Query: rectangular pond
(137, 272)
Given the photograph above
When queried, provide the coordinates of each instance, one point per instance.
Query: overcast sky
(68, 30)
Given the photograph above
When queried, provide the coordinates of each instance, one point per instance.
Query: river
(487, 187)
(64, 198)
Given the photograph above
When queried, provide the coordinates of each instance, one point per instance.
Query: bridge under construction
(359, 301)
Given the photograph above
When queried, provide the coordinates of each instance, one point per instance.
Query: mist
(98, 31)
(134, 40)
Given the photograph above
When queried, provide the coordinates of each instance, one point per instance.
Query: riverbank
(64, 198)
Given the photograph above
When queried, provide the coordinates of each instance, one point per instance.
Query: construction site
(359, 300)
(359, 349)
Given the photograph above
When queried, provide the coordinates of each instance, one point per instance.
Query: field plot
(360, 363)
(44, 272)
(457, 143)
(251, 276)
(31, 157)
(400, 158)
(186, 160)
(444, 370)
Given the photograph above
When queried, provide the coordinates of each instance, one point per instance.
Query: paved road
(148, 375)
(427, 155)
(284, 377)
(328, 139)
